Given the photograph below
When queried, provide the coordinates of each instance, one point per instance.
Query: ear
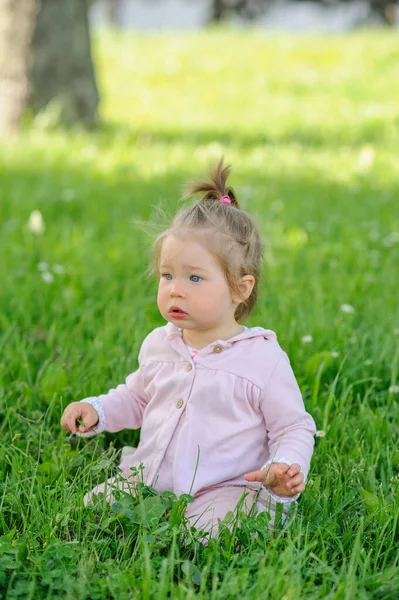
(246, 285)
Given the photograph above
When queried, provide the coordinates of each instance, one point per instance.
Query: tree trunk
(17, 18)
(218, 11)
(113, 12)
(386, 10)
(45, 57)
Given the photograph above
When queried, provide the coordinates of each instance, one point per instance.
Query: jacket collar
(174, 335)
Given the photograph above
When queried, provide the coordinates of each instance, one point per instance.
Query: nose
(176, 289)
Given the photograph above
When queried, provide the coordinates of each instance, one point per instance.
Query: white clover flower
(36, 223)
(47, 277)
(396, 331)
(368, 362)
(374, 255)
(393, 389)
(365, 158)
(42, 266)
(320, 433)
(335, 354)
(391, 239)
(347, 308)
(306, 339)
(374, 235)
(277, 206)
(68, 195)
(59, 269)
(89, 151)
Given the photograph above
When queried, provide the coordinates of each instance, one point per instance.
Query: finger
(72, 421)
(298, 489)
(280, 469)
(294, 468)
(89, 416)
(64, 423)
(90, 422)
(295, 481)
(88, 425)
(256, 476)
(84, 429)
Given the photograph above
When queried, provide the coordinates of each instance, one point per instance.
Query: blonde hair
(225, 230)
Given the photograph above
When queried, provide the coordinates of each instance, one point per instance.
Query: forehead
(186, 253)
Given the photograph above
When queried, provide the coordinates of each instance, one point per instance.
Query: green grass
(311, 126)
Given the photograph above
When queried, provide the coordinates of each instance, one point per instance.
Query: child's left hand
(284, 480)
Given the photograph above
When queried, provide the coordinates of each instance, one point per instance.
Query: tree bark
(386, 10)
(113, 12)
(45, 57)
(218, 11)
(17, 18)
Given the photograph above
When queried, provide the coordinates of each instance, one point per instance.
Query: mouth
(177, 313)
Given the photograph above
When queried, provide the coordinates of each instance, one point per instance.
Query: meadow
(311, 127)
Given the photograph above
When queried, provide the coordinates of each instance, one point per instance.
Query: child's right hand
(79, 410)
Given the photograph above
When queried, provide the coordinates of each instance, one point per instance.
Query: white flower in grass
(306, 339)
(393, 389)
(277, 206)
(396, 331)
(59, 269)
(368, 362)
(347, 308)
(391, 239)
(68, 195)
(36, 223)
(89, 151)
(42, 266)
(320, 433)
(310, 483)
(374, 235)
(47, 277)
(374, 255)
(335, 354)
(365, 158)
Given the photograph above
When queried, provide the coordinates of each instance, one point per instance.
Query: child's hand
(284, 480)
(82, 411)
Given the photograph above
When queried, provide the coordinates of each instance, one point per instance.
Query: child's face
(191, 280)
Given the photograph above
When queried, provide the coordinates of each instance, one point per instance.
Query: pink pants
(209, 505)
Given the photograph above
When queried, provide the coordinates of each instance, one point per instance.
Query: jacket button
(189, 367)
(217, 349)
(179, 403)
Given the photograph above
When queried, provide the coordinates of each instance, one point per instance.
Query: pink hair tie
(225, 200)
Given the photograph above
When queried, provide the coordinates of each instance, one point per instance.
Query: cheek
(161, 294)
(215, 296)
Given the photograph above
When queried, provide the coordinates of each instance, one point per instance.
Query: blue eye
(167, 276)
(196, 277)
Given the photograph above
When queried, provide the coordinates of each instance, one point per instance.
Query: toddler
(218, 404)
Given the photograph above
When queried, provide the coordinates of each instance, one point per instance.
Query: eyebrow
(193, 268)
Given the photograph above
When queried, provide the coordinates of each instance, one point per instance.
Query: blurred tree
(45, 57)
(249, 9)
(113, 12)
(386, 10)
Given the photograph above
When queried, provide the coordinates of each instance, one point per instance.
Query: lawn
(311, 127)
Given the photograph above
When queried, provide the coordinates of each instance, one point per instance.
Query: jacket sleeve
(122, 407)
(290, 429)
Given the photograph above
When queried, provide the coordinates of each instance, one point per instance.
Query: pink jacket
(224, 413)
